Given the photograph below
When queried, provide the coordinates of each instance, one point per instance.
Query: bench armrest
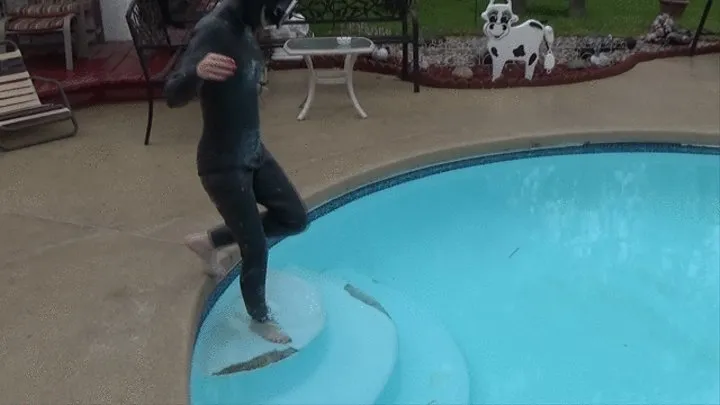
(66, 102)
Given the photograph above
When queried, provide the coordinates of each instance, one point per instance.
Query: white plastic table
(328, 46)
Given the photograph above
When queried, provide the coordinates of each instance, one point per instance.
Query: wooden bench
(576, 8)
(21, 108)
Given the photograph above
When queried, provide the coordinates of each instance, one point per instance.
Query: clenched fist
(216, 67)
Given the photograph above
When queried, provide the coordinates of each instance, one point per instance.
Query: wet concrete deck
(98, 295)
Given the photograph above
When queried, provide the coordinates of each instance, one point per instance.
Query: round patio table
(328, 46)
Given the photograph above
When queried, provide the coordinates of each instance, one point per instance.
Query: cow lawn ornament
(515, 43)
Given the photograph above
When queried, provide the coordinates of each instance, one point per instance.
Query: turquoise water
(587, 278)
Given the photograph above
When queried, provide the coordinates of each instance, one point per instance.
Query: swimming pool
(584, 274)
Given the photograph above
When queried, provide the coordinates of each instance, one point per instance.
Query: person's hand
(216, 67)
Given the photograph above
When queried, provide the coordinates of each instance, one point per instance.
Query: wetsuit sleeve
(183, 83)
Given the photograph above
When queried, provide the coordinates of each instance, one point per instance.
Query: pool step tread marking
(260, 361)
(348, 364)
(430, 368)
(365, 298)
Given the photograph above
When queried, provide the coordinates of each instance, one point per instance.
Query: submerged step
(295, 303)
(349, 362)
(430, 367)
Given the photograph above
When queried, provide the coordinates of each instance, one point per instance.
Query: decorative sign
(518, 43)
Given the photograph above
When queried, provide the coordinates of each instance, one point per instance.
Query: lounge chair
(21, 108)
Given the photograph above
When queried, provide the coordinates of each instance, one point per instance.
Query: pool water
(565, 278)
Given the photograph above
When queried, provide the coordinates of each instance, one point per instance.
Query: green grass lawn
(616, 17)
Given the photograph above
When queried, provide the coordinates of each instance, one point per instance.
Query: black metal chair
(150, 36)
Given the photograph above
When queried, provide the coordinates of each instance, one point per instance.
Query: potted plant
(675, 8)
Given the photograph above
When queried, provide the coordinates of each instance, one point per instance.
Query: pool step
(430, 369)
(349, 363)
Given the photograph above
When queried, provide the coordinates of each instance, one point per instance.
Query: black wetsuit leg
(236, 194)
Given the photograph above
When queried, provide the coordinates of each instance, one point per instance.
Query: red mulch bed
(513, 75)
(112, 73)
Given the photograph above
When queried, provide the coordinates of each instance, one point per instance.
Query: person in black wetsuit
(222, 64)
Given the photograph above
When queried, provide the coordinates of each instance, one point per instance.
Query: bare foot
(201, 245)
(270, 331)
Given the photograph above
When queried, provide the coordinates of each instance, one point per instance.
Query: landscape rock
(577, 64)
(463, 72)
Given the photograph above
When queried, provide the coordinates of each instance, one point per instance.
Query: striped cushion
(35, 24)
(17, 91)
(47, 9)
(28, 111)
(11, 63)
